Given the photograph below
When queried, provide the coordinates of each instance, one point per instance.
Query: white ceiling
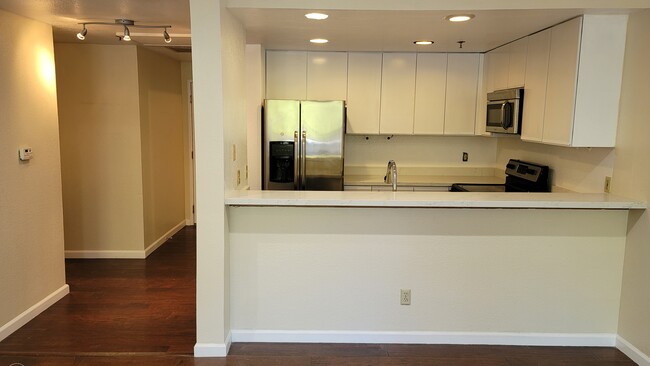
(64, 16)
(349, 30)
(281, 24)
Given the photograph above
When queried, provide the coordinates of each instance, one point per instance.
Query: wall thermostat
(25, 153)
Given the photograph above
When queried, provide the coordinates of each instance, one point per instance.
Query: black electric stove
(521, 176)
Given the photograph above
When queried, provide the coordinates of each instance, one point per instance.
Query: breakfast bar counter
(553, 200)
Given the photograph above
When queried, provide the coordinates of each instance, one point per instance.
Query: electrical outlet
(405, 296)
(465, 156)
(234, 152)
(608, 184)
(238, 177)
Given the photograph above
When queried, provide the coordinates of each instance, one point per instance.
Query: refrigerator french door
(303, 145)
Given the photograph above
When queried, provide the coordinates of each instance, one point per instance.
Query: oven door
(501, 117)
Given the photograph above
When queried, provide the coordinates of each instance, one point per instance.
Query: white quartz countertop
(420, 180)
(555, 200)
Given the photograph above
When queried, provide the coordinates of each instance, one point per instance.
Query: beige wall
(31, 233)
(632, 178)
(161, 132)
(255, 65)
(577, 169)
(188, 138)
(420, 151)
(341, 269)
(100, 146)
(122, 148)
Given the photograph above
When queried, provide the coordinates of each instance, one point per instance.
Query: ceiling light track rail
(126, 23)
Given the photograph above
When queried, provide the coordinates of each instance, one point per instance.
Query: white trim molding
(125, 254)
(632, 352)
(485, 338)
(150, 249)
(31, 313)
(104, 254)
(213, 349)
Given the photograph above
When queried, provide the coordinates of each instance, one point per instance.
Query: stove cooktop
(521, 176)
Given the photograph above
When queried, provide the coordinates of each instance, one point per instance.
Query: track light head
(166, 36)
(127, 34)
(82, 35)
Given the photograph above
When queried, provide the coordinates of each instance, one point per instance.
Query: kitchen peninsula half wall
(482, 276)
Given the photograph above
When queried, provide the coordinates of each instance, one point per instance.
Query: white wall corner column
(211, 290)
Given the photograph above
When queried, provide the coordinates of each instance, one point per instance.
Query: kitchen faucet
(391, 174)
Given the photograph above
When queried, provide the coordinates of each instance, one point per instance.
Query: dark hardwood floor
(142, 312)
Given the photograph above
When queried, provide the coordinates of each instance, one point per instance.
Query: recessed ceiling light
(423, 42)
(318, 40)
(459, 17)
(316, 16)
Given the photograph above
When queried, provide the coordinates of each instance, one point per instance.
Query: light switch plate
(24, 153)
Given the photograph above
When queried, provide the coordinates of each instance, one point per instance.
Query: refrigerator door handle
(303, 162)
(296, 162)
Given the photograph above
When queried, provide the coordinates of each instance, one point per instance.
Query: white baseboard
(213, 349)
(632, 352)
(514, 339)
(31, 313)
(163, 238)
(105, 254)
(124, 254)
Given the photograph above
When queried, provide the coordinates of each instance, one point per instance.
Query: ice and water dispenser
(281, 161)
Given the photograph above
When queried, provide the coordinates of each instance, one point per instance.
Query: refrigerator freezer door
(322, 134)
(281, 144)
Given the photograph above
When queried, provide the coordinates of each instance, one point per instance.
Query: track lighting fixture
(127, 34)
(82, 35)
(126, 23)
(166, 36)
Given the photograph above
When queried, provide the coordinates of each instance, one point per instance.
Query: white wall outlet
(238, 177)
(465, 156)
(405, 296)
(24, 153)
(234, 152)
(608, 184)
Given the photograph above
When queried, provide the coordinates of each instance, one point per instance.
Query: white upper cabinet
(364, 92)
(497, 62)
(561, 82)
(397, 93)
(535, 92)
(460, 103)
(517, 63)
(286, 75)
(430, 91)
(327, 75)
(584, 81)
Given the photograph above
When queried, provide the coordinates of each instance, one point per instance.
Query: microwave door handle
(296, 161)
(503, 113)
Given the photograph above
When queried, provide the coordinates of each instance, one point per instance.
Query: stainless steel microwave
(504, 109)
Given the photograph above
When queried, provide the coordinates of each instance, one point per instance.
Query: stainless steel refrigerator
(303, 145)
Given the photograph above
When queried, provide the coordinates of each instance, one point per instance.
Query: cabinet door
(497, 68)
(532, 123)
(460, 104)
(517, 63)
(561, 84)
(286, 75)
(364, 92)
(327, 75)
(431, 81)
(397, 93)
